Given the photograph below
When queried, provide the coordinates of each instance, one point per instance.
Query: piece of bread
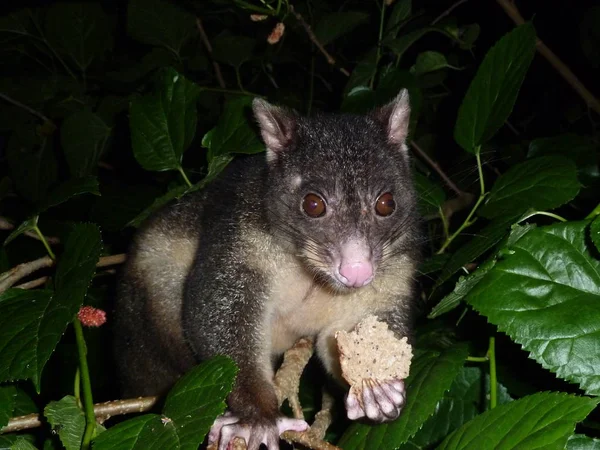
(372, 351)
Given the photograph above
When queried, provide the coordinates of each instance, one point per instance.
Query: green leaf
(363, 71)
(332, 26)
(595, 232)
(83, 136)
(431, 375)
(545, 296)
(77, 264)
(468, 35)
(582, 442)
(431, 195)
(400, 13)
(430, 62)
(14, 402)
(493, 92)
(233, 50)
(464, 285)
(359, 100)
(233, 133)
(156, 58)
(80, 30)
(8, 395)
(163, 124)
(468, 396)
(22, 314)
(544, 420)
(160, 23)
(158, 203)
(190, 409)
(484, 240)
(542, 183)
(400, 45)
(69, 189)
(433, 264)
(215, 167)
(16, 442)
(68, 420)
(120, 203)
(32, 322)
(580, 149)
(24, 403)
(27, 225)
(62, 193)
(32, 163)
(198, 398)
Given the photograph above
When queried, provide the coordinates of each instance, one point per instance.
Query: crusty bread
(372, 351)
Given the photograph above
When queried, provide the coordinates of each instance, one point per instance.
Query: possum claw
(215, 430)
(381, 401)
(287, 424)
(228, 427)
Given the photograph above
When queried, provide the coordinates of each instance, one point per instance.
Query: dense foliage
(108, 110)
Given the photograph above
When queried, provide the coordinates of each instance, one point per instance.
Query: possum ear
(277, 126)
(395, 117)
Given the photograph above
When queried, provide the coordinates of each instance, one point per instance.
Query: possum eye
(385, 205)
(313, 205)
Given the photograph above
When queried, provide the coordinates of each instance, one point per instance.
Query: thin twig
(448, 11)
(12, 276)
(304, 438)
(30, 110)
(106, 410)
(437, 168)
(7, 279)
(287, 378)
(33, 283)
(323, 418)
(456, 204)
(209, 49)
(111, 260)
(103, 412)
(5, 225)
(591, 101)
(313, 38)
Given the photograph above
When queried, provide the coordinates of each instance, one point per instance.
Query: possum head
(340, 189)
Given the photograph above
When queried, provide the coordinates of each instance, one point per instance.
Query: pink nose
(356, 274)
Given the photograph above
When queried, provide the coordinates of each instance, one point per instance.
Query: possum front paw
(379, 401)
(255, 432)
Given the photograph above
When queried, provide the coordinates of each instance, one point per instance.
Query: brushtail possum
(306, 240)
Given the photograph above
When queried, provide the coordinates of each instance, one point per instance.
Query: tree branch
(5, 225)
(12, 276)
(30, 110)
(103, 412)
(591, 101)
(287, 378)
(448, 11)
(297, 358)
(209, 50)
(313, 38)
(33, 283)
(435, 166)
